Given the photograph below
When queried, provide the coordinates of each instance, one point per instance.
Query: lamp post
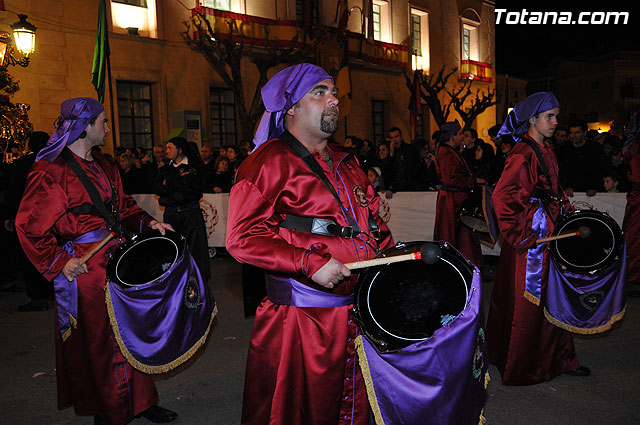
(24, 34)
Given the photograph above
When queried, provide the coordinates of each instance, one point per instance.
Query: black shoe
(34, 306)
(158, 415)
(580, 371)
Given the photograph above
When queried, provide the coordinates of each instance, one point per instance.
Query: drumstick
(96, 248)
(583, 231)
(430, 253)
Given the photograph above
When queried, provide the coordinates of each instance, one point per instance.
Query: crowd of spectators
(589, 161)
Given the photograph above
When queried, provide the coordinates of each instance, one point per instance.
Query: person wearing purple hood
(528, 200)
(57, 224)
(301, 367)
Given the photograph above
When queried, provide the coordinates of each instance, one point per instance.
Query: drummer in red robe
(528, 201)
(456, 185)
(631, 222)
(58, 224)
(302, 365)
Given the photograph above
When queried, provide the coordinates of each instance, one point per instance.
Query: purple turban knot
(75, 115)
(517, 123)
(448, 130)
(283, 91)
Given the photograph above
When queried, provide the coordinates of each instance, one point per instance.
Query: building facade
(159, 84)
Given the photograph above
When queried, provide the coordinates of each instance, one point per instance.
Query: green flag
(100, 52)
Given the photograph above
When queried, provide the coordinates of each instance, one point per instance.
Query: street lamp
(24, 33)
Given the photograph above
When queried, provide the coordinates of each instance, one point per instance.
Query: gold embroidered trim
(148, 368)
(74, 323)
(585, 331)
(368, 382)
(530, 297)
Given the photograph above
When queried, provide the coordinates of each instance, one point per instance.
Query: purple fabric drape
(164, 320)
(535, 255)
(440, 380)
(75, 115)
(287, 291)
(279, 95)
(67, 292)
(587, 304)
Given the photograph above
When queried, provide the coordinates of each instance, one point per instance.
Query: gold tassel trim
(148, 368)
(368, 382)
(585, 331)
(482, 420)
(74, 324)
(532, 298)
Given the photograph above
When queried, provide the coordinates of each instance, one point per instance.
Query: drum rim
(609, 223)
(372, 317)
(115, 258)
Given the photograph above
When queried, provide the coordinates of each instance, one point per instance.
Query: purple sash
(535, 256)
(490, 238)
(587, 304)
(160, 325)
(440, 380)
(287, 291)
(67, 292)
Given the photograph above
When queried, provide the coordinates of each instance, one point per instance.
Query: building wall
(180, 78)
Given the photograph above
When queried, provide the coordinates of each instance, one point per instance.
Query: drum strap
(543, 167)
(301, 151)
(317, 226)
(112, 215)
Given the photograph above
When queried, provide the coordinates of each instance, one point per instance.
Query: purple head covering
(448, 130)
(75, 115)
(283, 91)
(631, 131)
(517, 122)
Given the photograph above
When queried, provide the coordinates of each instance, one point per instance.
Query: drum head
(589, 255)
(144, 258)
(402, 303)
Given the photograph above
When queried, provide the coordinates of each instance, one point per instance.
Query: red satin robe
(525, 347)
(631, 222)
(91, 373)
(453, 171)
(301, 364)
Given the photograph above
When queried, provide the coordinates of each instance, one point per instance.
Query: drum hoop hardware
(153, 280)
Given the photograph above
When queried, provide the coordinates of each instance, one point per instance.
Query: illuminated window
(223, 116)
(135, 17)
(135, 114)
(139, 3)
(217, 4)
(376, 22)
(470, 22)
(381, 21)
(420, 38)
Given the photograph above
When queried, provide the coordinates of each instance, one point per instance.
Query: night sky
(521, 49)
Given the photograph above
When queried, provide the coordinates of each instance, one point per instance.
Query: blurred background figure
(134, 179)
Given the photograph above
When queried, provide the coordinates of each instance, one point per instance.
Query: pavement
(208, 389)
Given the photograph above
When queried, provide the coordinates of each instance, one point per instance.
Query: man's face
(457, 138)
(158, 153)
(97, 132)
(206, 153)
(546, 122)
(561, 136)
(316, 114)
(395, 138)
(576, 136)
(172, 151)
(383, 151)
(468, 139)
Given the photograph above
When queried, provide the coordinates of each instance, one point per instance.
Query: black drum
(602, 248)
(399, 304)
(145, 258)
(472, 213)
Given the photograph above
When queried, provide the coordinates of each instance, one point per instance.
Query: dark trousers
(190, 224)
